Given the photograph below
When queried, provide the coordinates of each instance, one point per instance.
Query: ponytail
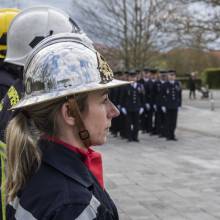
(23, 156)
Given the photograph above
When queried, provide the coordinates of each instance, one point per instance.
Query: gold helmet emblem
(106, 73)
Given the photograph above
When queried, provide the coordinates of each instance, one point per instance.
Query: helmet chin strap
(75, 112)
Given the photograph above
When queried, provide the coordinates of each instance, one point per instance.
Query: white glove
(124, 111)
(147, 106)
(155, 107)
(141, 110)
(164, 109)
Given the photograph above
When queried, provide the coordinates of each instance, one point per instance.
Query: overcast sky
(66, 5)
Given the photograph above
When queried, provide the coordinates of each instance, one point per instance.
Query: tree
(132, 26)
(193, 27)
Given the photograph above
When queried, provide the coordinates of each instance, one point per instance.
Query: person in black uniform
(153, 107)
(147, 115)
(159, 94)
(53, 173)
(173, 98)
(144, 81)
(143, 117)
(132, 106)
(122, 117)
(114, 94)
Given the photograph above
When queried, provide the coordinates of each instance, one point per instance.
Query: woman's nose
(114, 112)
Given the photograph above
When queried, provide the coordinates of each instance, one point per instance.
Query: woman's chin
(99, 142)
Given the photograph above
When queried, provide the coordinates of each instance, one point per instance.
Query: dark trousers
(192, 93)
(171, 122)
(123, 126)
(132, 125)
(153, 122)
(161, 123)
(157, 121)
(144, 121)
(149, 122)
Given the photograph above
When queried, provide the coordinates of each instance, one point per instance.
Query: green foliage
(211, 77)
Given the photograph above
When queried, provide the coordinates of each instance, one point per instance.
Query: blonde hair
(22, 134)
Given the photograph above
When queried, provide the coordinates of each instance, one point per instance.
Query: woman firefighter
(52, 171)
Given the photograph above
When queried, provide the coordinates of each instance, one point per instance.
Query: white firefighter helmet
(33, 25)
(62, 65)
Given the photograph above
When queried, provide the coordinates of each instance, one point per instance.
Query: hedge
(211, 77)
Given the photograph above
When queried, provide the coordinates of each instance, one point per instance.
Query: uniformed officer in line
(132, 106)
(140, 80)
(144, 82)
(173, 93)
(139, 75)
(153, 107)
(160, 100)
(114, 94)
(122, 117)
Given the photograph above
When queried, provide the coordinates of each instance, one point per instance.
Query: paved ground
(162, 180)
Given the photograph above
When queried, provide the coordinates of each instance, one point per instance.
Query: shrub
(211, 77)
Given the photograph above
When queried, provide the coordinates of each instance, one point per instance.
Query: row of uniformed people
(149, 104)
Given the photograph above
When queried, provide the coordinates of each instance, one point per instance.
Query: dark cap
(163, 72)
(137, 71)
(172, 72)
(146, 69)
(132, 72)
(153, 71)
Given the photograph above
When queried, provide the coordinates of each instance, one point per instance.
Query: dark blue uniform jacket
(62, 189)
(173, 95)
(132, 98)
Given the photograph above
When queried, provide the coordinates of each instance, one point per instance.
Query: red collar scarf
(91, 158)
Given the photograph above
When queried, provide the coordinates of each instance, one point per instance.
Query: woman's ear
(65, 113)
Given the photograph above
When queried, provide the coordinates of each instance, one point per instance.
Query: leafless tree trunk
(131, 26)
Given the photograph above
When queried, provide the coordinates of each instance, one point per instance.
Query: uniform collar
(65, 161)
(134, 85)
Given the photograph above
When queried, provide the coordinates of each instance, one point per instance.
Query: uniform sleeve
(81, 212)
(93, 211)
